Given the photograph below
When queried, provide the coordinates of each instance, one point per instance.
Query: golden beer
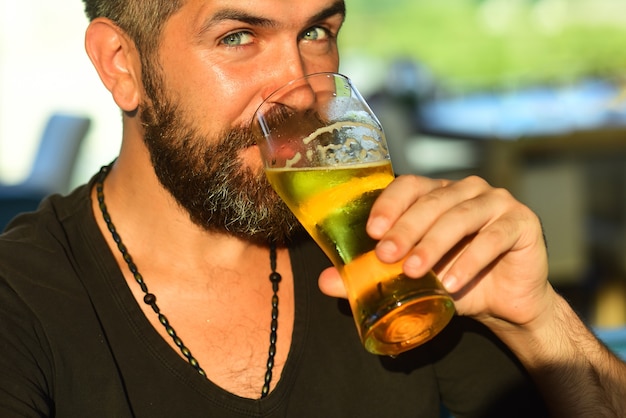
(393, 313)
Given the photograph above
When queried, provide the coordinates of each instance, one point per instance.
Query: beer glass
(325, 154)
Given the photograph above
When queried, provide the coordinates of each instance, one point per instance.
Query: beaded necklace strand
(150, 299)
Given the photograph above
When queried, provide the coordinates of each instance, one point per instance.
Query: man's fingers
(396, 199)
(468, 218)
(417, 213)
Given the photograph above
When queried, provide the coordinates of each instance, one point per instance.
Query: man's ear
(116, 60)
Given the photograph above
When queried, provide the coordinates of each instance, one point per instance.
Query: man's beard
(208, 179)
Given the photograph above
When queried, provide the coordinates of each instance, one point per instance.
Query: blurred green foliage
(494, 43)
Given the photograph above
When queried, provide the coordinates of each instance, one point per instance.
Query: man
(149, 292)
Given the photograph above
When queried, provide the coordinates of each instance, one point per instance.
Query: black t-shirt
(75, 343)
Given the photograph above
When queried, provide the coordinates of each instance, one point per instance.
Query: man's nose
(298, 95)
(289, 87)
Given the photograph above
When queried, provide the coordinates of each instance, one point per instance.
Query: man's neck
(156, 229)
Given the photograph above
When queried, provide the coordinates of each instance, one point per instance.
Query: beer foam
(335, 127)
(292, 161)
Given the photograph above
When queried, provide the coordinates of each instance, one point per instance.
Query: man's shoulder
(42, 243)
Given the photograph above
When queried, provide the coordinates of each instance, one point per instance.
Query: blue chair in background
(615, 340)
(52, 168)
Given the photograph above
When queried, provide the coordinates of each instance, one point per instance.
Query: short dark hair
(142, 20)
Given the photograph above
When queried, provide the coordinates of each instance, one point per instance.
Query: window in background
(43, 68)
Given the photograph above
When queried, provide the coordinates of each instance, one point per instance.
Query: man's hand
(486, 247)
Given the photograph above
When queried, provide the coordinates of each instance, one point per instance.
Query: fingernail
(412, 264)
(449, 282)
(387, 248)
(377, 226)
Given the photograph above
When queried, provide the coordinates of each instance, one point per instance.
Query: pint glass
(325, 154)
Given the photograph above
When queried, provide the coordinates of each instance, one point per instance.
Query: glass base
(407, 324)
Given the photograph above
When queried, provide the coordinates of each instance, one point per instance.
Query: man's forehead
(266, 10)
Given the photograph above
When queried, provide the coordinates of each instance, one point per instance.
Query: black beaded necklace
(150, 298)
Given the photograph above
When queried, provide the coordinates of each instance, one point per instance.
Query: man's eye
(237, 39)
(315, 34)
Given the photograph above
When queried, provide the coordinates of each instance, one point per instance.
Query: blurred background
(530, 94)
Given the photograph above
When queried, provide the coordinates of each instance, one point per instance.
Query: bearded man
(175, 283)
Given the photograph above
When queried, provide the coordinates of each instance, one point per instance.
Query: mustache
(241, 137)
(274, 116)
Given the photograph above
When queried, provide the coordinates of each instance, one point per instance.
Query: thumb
(331, 284)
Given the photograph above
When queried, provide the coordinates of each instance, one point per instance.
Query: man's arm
(490, 253)
(576, 373)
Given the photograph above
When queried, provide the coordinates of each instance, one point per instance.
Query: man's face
(217, 62)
